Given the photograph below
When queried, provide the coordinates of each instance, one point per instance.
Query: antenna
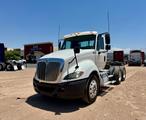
(108, 21)
(58, 35)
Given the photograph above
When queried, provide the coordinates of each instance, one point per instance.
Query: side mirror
(108, 47)
(107, 38)
(77, 50)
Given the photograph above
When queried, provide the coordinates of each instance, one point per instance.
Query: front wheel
(92, 89)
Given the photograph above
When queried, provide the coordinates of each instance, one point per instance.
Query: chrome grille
(41, 69)
(48, 70)
(52, 71)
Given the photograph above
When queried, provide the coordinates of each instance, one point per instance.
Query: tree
(12, 55)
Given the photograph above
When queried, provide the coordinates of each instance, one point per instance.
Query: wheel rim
(120, 76)
(124, 74)
(93, 89)
(9, 67)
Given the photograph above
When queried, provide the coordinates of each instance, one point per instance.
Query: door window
(100, 43)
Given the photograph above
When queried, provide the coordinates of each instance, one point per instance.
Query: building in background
(32, 52)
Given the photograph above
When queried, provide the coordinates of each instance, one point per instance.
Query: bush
(12, 55)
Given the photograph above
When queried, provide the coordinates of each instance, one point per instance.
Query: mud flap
(23, 67)
(15, 67)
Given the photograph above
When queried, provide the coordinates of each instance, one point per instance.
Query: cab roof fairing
(80, 34)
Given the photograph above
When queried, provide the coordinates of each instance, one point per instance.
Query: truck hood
(67, 54)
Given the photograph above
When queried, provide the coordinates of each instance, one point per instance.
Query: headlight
(74, 75)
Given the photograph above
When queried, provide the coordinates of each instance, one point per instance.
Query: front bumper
(68, 90)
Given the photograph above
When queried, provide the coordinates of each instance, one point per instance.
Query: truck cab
(77, 70)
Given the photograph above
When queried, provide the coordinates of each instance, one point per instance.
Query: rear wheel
(92, 89)
(1, 67)
(117, 75)
(9, 67)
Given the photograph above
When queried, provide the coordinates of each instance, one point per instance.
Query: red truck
(118, 56)
(34, 51)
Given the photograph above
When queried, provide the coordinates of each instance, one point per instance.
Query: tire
(19, 66)
(1, 67)
(92, 89)
(117, 75)
(123, 70)
(111, 70)
(9, 67)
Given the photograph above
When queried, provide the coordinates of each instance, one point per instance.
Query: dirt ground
(126, 101)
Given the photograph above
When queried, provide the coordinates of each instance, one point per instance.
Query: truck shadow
(55, 105)
(59, 106)
(105, 90)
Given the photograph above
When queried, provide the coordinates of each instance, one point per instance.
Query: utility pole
(108, 21)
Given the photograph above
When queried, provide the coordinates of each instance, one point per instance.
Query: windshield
(84, 42)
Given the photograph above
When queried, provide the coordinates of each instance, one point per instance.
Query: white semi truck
(78, 69)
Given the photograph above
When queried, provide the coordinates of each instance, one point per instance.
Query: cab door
(101, 53)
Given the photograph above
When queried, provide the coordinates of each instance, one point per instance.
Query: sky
(29, 21)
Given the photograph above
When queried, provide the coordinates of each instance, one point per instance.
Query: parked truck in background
(135, 58)
(143, 56)
(77, 70)
(2, 56)
(9, 65)
(118, 56)
(32, 52)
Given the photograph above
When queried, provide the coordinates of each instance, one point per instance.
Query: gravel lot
(126, 101)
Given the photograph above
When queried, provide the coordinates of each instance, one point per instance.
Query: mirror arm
(77, 66)
(71, 61)
(75, 58)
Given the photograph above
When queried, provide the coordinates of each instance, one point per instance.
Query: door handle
(94, 52)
